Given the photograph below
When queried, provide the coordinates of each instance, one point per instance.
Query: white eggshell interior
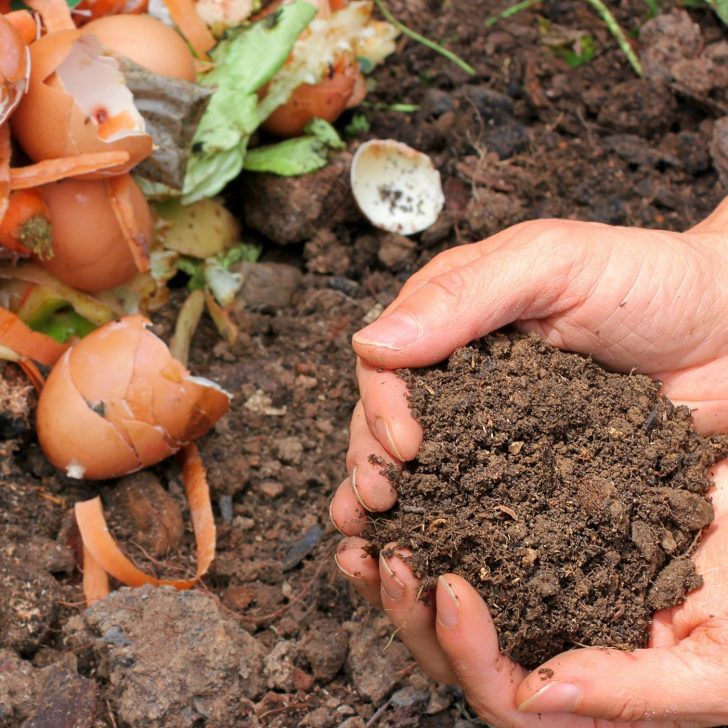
(396, 187)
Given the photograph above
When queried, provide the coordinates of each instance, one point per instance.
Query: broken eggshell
(14, 69)
(396, 187)
(117, 401)
(78, 102)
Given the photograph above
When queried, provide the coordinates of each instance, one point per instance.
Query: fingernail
(352, 478)
(344, 571)
(392, 585)
(381, 430)
(391, 332)
(556, 697)
(331, 518)
(448, 606)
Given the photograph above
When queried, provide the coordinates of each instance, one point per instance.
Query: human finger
(684, 684)
(367, 460)
(359, 568)
(495, 287)
(387, 412)
(346, 511)
(412, 617)
(467, 635)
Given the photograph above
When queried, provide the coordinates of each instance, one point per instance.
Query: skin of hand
(645, 300)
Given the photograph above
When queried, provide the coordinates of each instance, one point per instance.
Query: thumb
(520, 279)
(677, 683)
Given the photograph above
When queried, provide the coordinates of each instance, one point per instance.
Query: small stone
(238, 597)
(141, 503)
(268, 286)
(325, 648)
(270, 489)
(290, 450)
(65, 700)
(302, 681)
(409, 697)
(354, 722)
(279, 668)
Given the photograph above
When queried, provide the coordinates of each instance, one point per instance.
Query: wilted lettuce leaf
(297, 156)
(245, 60)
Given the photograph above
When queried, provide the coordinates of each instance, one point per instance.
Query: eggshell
(146, 41)
(396, 187)
(49, 124)
(76, 438)
(90, 251)
(94, 425)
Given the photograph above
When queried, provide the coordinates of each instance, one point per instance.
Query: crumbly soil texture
(570, 496)
(274, 637)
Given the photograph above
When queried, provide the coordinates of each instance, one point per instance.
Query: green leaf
(358, 125)
(195, 269)
(245, 60)
(62, 325)
(248, 252)
(720, 7)
(301, 155)
(582, 52)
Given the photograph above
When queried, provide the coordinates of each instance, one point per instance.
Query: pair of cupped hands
(645, 300)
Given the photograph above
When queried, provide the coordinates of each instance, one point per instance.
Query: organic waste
(570, 497)
(116, 109)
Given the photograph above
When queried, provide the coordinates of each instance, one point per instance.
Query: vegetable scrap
(119, 125)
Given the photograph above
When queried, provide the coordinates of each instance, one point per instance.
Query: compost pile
(568, 495)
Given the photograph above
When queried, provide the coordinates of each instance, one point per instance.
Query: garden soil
(274, 637)
(570, 496)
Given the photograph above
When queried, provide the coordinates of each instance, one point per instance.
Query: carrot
(51, 170)
(28, 343)
(105, 552)
(5, 154)
(56, 15)
(26, 227)
(25, 24)
(191, 25)
(120, 188)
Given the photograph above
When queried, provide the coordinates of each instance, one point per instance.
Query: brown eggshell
(73, 435)
(184, 408)
(90, 251)
(90, 359)
(96, 414)
(48, 124)
(146, 41)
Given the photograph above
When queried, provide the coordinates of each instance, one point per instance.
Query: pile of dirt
(569, 496)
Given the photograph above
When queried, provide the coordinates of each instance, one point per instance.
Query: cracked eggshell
(396, 187)
(78, 102)
(117, 401)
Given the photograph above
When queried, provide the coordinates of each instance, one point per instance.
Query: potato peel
(105, 554)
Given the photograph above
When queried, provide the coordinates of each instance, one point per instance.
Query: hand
(654, 301)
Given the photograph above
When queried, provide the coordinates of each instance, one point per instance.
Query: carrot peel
(120, 189)
(52, 170)
(191, 25)
(28, 343)
(105, 553)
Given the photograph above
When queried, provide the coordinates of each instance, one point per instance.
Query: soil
(570, 496)
(526, 136)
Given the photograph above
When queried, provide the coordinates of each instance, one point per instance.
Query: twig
(615, 29)
(422, 40)
(378, 714)
(511, 11)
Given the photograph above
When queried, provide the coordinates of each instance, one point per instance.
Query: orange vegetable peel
(120, 191)
(102, 553)
(191, 25)
(56, 14)
(52, 170)
(15, 335)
